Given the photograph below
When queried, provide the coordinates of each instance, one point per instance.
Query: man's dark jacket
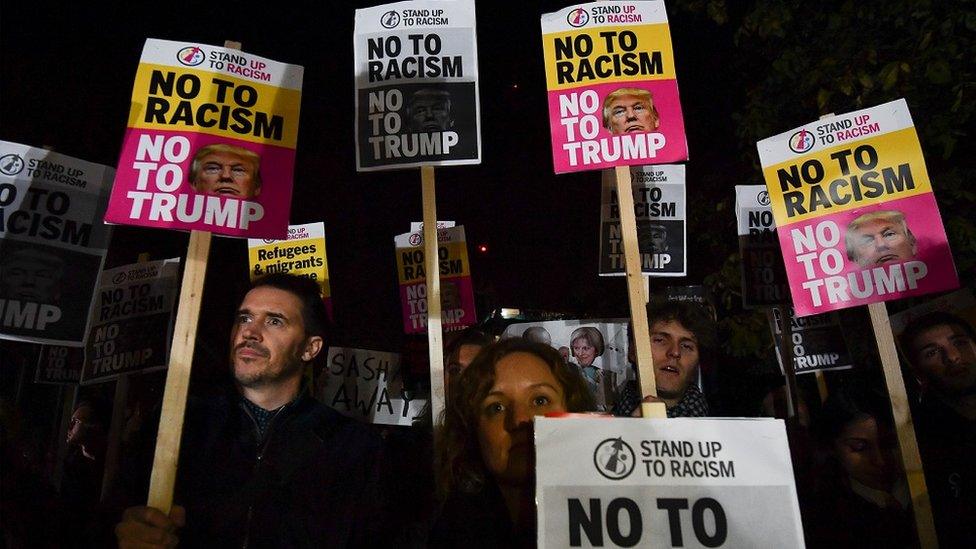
(312, 481)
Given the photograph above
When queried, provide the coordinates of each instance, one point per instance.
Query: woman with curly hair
(486, 459)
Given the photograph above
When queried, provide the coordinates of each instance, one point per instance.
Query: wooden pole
(904, 426)
(786, 342)
(433, 282)
(821, 385)
(635, 292)
(163, 478)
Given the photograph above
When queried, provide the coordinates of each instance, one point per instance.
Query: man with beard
(267, 465)
(941, 348)
(682, 337)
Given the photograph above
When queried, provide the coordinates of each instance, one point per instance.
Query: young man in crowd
(267, 465)
(682, 336)
(941, 349)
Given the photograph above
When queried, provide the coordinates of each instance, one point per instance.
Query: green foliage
(798, 60)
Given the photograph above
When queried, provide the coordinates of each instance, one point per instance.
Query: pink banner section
(618, 124)
(457, 304)
(879, 253)
(192, 181)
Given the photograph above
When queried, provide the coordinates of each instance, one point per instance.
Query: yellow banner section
(305, 257)
(853, 175)
(168, 98)
(607, 55)
(453, 262)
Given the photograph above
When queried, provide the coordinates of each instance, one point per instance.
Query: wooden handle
(636, 293)
(904, 426)
(166, 459)
(433, 281)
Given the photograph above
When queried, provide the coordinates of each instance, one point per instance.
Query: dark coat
(313, 481)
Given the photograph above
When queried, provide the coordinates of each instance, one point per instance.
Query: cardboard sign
(368, 386)
(596, 348)
(59, 365)
(817, 340)
(417, 99)
(132, 320)
(857, 219)
(210, 143)
(302, 254)
(457, 292)
(665, 483)
(613, 92)
(764, 281)
(659, 206)
(52, 243)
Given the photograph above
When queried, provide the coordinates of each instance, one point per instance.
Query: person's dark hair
(848, 403)
(468, 336)
(916, 327)
(693, 317)
(101, 410)
(308, 292)
(460, 466)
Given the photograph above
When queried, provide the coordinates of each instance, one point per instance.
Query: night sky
(68, 70)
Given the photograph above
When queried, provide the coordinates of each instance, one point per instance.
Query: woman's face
(524, 387)
(865, 455)
(583, 351)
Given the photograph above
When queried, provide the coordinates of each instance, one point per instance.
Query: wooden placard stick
(786, 343)
(165, 462)
(904, 425)
(433, 282)
(635, 292)
(163, 478)
(821, 385)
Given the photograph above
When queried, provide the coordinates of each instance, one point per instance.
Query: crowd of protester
(264, 464)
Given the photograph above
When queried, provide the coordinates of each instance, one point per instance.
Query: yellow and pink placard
(856, 217)
(210, 143)
(613, 91)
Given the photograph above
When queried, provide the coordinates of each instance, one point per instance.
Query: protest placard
(659, 207)
(367, 385)
(816, 342)
(132, 320)
(302, 254)
(596, 348)
(210, 143)
(59, 365)
(628, 482)
(52, 243)
(858, 222)
(457, 292)
(416, 68)
(764, 281)
(613, 92)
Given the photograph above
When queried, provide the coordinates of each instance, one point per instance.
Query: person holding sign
(267, 465)
(682, 334)
(486, 462)
(941, 348)
(879, 237)
(223, 169)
